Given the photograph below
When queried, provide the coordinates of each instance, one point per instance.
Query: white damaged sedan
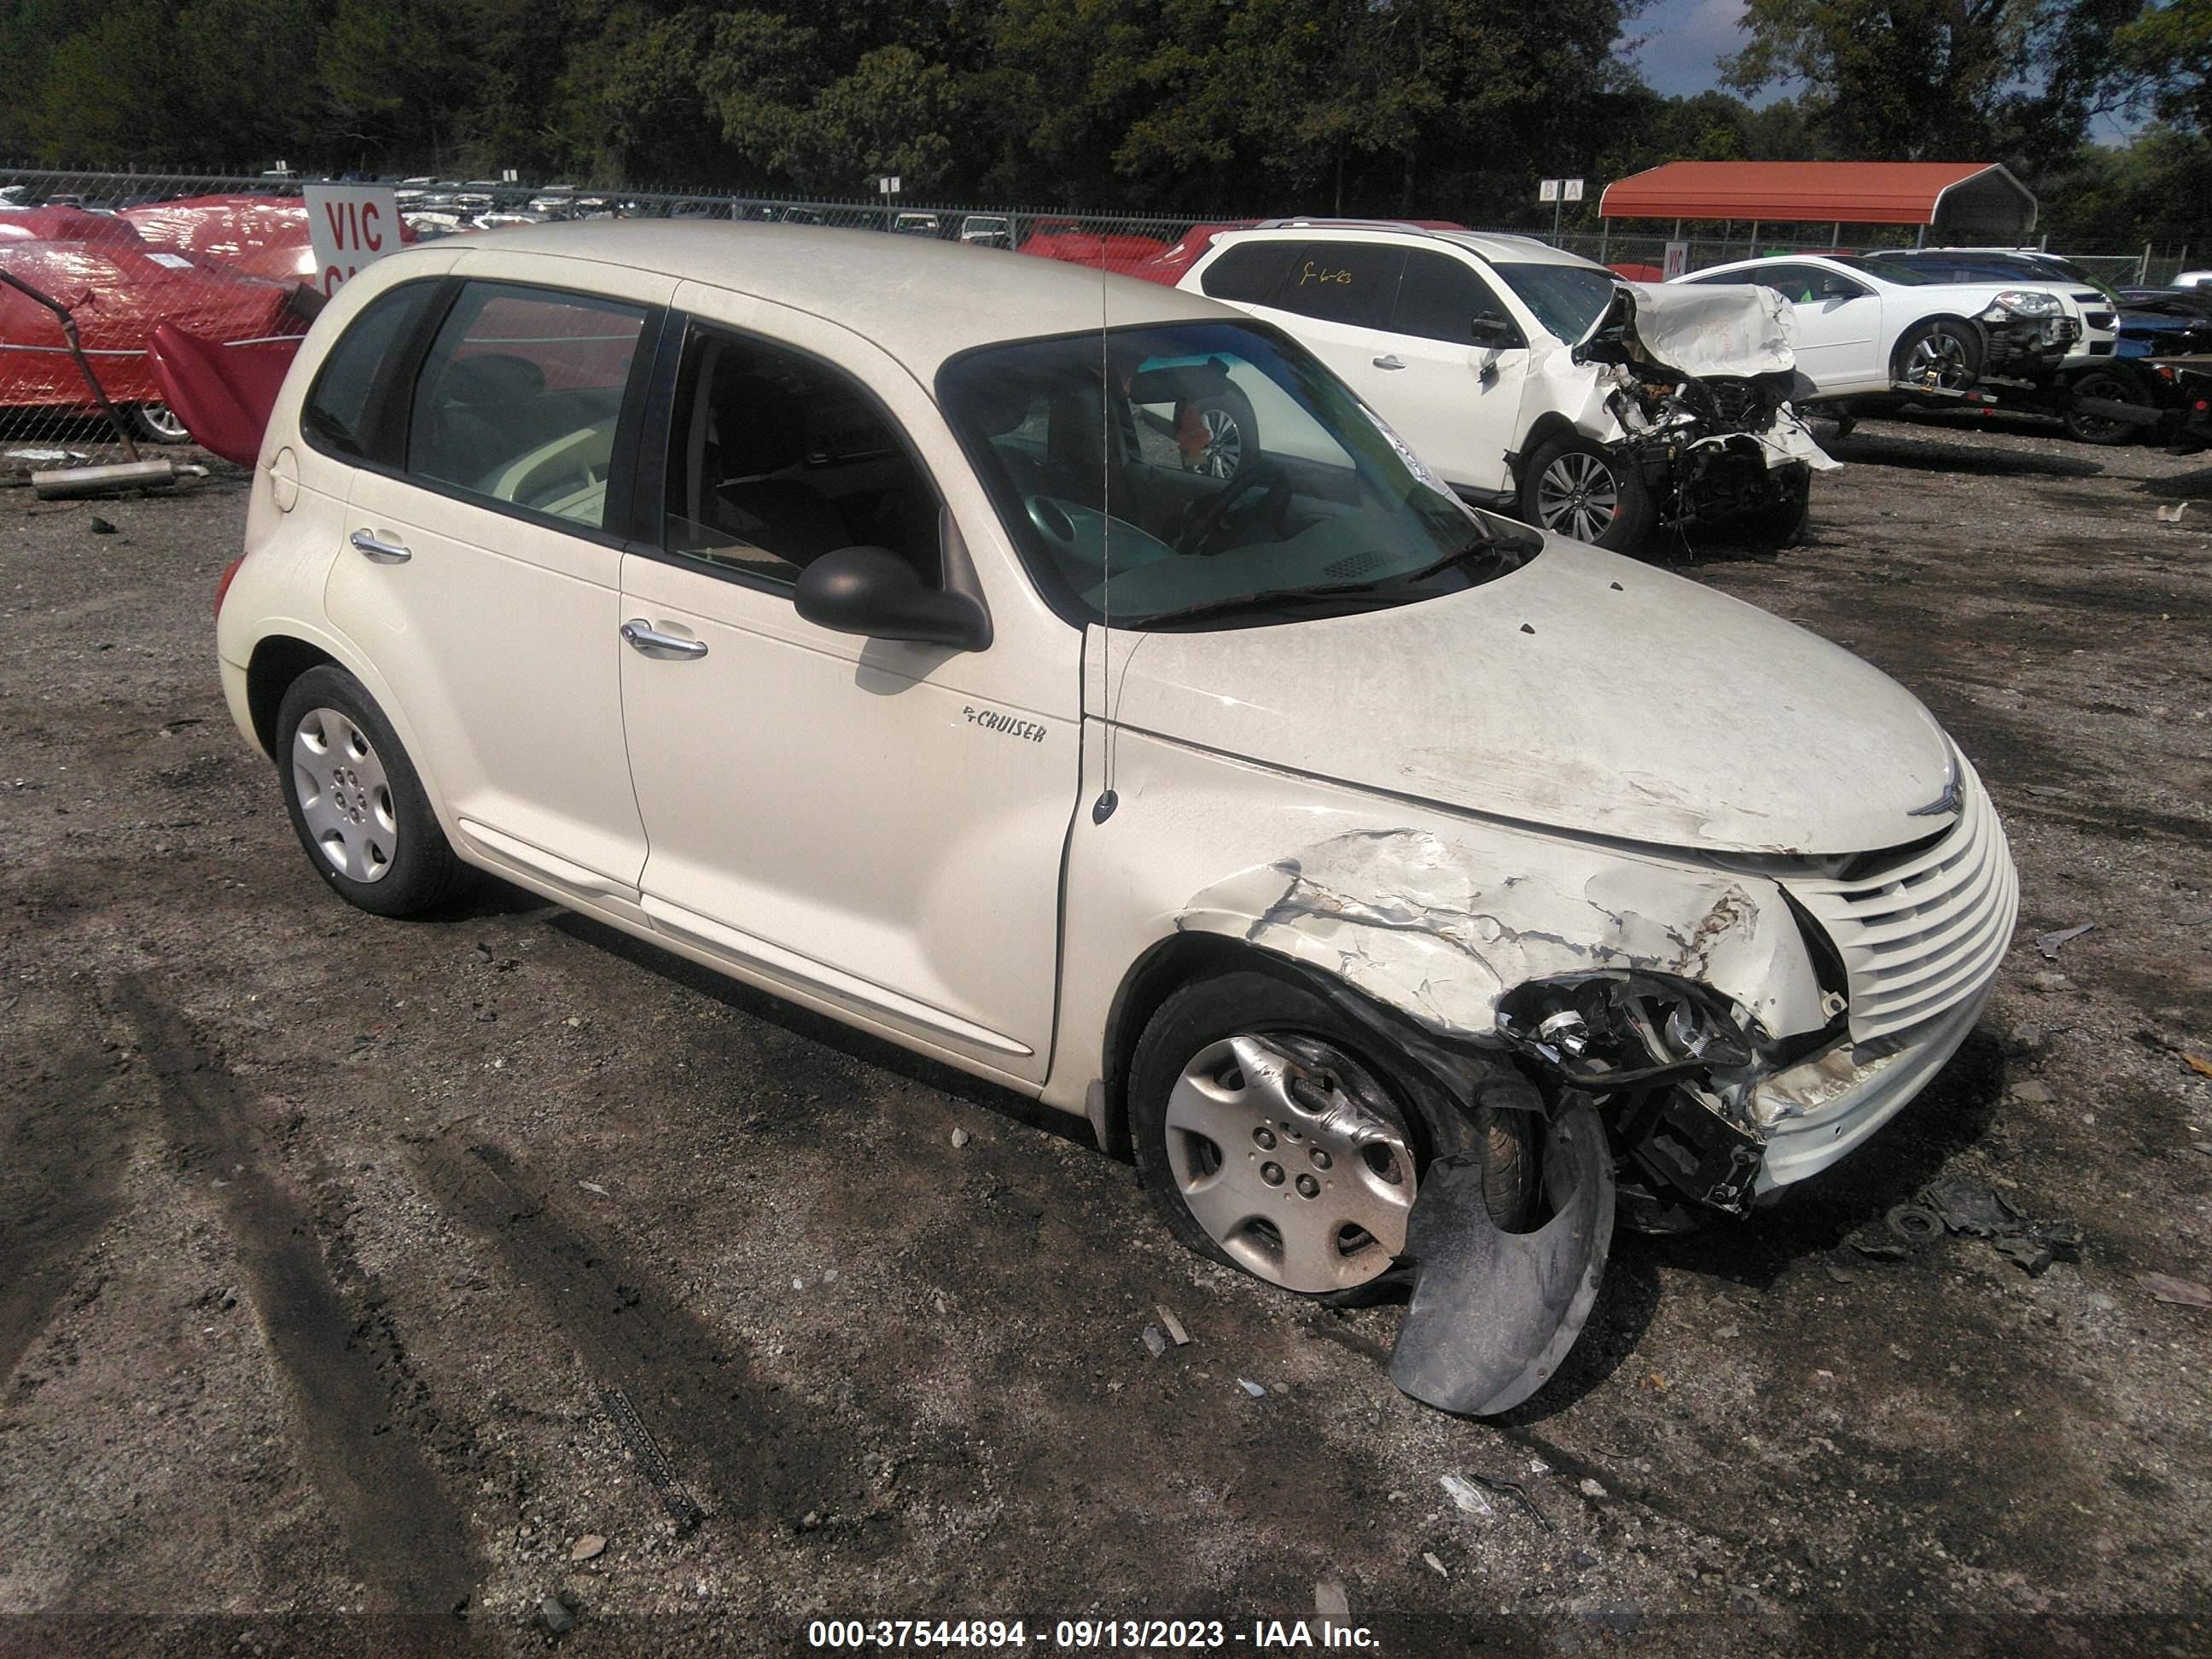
(839, 611)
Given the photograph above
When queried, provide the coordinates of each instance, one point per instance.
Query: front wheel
(1272, 1138)
(1582, 490)
(2110, 386)
(356, 801)
(1937, 356)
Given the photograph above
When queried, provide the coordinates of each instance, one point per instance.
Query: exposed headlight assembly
(1618, 1029)
(1660, 1051)
(2022, 303)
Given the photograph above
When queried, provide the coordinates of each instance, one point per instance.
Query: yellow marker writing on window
(1310, 274)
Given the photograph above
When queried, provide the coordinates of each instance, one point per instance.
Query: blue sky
(1684, 41)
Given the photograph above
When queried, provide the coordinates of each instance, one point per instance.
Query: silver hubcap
(343, 795)
(1288, 1172)
(1224, 445)
(163, 419)
(1577, 496)
(1940, 357)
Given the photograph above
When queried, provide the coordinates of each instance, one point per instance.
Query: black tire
(1275, 1006)
(1574, 481)
(158, 423)
(420, 871)
(1952, 350)
(1231, 433)
(1771, 529)
(2112, 385)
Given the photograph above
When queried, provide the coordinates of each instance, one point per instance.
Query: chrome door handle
(1390, 362)
(372, 546)
(642, 636)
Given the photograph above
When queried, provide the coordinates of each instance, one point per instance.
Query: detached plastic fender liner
(1493, 1313)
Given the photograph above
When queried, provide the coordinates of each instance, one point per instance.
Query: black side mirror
(873, 592)
(1489, 329)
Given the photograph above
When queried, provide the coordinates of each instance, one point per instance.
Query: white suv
(1305, 829)
(1486, 353)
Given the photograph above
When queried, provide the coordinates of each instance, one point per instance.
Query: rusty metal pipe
(77, 350)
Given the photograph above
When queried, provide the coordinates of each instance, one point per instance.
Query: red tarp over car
(254, 236)
(1065, 240)
(1978, 194)
(117, 291)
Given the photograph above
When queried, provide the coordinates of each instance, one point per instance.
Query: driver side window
(519, 397)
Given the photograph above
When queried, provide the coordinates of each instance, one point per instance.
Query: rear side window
(1352, 282)
(342, 401)
(1250, 273)
(520, 398)
(1439, 298)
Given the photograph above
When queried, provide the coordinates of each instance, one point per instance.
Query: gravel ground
(352, 1271)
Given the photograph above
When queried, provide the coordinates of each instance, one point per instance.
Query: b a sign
(351, 227)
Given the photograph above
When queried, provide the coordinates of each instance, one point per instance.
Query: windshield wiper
(1485, 544)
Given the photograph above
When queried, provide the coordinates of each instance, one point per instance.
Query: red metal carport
(1960, 201)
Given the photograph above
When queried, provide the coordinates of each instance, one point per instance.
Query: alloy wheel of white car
(1578, 494)
(1937, 356)
(1289, 1173)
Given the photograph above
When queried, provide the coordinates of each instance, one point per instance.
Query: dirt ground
(352, 1271)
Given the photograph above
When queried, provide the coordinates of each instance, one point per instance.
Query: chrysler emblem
(1949, 801)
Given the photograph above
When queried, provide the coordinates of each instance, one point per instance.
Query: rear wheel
(1580, 489)
(2109, 385)
(356, 801)
(1272, 1138)
(1937, 356)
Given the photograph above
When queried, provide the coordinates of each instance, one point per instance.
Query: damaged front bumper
(1818, 1111)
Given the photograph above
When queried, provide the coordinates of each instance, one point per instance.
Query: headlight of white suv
(2022, 303)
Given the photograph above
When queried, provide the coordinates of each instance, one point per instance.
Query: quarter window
(777, 457)
(520, 398)
(1250, 272)
(1351, 282)
(339, 408)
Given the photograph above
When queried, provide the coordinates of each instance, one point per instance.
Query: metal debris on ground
(1171, 1325)
(559, 1618)
(48, 457)
(1331, 1601)
(1518, 1493)
(1464, 1494)
(682, 1508)
(1970, 1207)
(1255, 1389)
(2182, 1292)
(1913, 1223)
(2049, 943)
(588, 1547)
(1155, 1341)
(68, 482)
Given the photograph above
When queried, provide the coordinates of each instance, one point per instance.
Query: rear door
(482, 570)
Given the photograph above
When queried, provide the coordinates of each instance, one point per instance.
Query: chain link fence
(224, 255)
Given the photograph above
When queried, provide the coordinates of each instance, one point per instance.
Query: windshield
(1225, 478)
(1566, 299)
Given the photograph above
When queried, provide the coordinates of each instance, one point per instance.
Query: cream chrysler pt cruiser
(866, 618)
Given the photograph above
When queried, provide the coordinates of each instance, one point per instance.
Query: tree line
(1445, 108)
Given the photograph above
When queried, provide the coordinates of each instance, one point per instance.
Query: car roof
(920, 300)
(1497, 247)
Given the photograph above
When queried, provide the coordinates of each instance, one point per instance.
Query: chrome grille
(1927, 931)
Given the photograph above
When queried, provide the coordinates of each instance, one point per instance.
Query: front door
(1457, 404)
(481, 574)
(874, 825)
